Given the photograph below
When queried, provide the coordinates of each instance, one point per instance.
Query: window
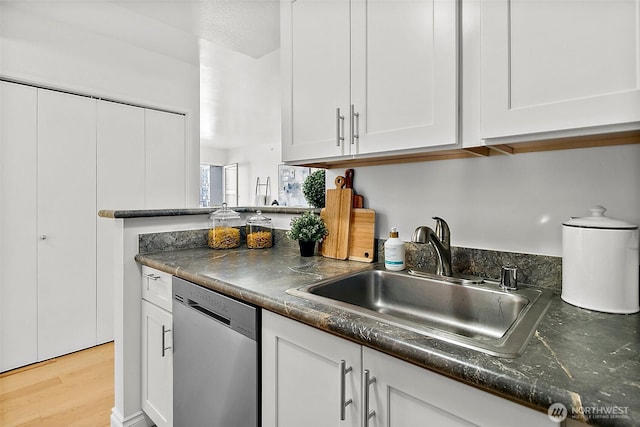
(211, 185)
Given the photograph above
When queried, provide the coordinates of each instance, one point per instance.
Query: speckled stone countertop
(148, 213)
(588, 361)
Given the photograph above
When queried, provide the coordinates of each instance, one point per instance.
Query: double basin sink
(480, 316)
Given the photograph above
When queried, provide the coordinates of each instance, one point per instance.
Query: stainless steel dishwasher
(216, 357)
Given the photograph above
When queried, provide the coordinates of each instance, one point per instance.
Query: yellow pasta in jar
(259, 240)
(223, 238)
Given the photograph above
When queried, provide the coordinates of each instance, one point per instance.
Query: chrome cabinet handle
(366, 414)
(164, 331)
(339, 127)
(43, 237)
(355, 130)
(344, 403)
(150, 276)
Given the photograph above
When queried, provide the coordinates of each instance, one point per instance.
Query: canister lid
(599, 220)
(259, 219)
(225, 213)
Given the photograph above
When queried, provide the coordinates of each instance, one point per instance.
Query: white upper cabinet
(558, 66)
(362, 77)
(315, 72)
(404, 77)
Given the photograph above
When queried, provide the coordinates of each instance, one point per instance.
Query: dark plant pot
(307, 248)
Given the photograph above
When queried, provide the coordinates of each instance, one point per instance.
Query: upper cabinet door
(315, 72)
(404, 79)
(559, 65)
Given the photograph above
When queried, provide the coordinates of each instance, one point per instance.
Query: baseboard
(135, 420)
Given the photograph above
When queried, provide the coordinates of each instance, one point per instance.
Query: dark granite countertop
(586, 360)
(147, 213)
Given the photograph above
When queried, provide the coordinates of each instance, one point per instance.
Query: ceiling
(251, 27)
(236, 49)
(239, 93)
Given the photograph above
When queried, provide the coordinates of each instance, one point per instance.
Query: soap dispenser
(394, 252)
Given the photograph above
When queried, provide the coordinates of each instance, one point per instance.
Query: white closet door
(121, 185)
(18, 239)
(120, 142)
(165, 160)
(66, 223)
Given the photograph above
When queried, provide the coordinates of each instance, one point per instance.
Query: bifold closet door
(165, 167)
(18, 239)
(121, 185)
(66, 223)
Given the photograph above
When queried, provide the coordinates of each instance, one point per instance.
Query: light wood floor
(72, 390)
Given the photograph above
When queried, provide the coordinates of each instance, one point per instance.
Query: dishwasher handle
(194, 305)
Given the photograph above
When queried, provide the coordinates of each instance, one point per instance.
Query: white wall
(70, 46)
(258, 161)
(507, 203)
(243, 117)
(213, 156)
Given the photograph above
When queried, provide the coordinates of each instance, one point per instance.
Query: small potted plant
(307, 229)
(313, 188)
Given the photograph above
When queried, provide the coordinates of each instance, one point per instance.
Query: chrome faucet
(441, 242)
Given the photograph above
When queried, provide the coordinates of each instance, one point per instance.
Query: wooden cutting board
(361, 234)
(358, 200)
(337, 217)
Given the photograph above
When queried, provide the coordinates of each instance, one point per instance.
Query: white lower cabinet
(303, 384)
(302, 379)
(157, 351)
(402, 394)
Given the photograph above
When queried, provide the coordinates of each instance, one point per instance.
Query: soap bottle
(394, 252)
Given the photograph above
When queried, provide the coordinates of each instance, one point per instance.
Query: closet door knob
(43, 237)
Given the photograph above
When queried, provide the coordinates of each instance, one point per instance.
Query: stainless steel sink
(478, 316)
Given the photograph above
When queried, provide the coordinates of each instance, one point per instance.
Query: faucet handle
(442, 231)
(509, 277)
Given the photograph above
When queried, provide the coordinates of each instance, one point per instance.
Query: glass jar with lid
(224, 231)
(259, 232)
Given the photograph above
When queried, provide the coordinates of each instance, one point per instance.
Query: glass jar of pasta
(259, 232)
(224, 232)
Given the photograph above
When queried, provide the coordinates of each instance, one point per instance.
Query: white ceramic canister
(600, 263)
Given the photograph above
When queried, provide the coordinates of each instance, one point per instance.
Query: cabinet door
(157, 364)
(406, 395)
(315, 72)
(66, 223)
(404, 78)
(559, 65)
(165, 160)
(18, 238)
(302, 377)
(120, 185)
